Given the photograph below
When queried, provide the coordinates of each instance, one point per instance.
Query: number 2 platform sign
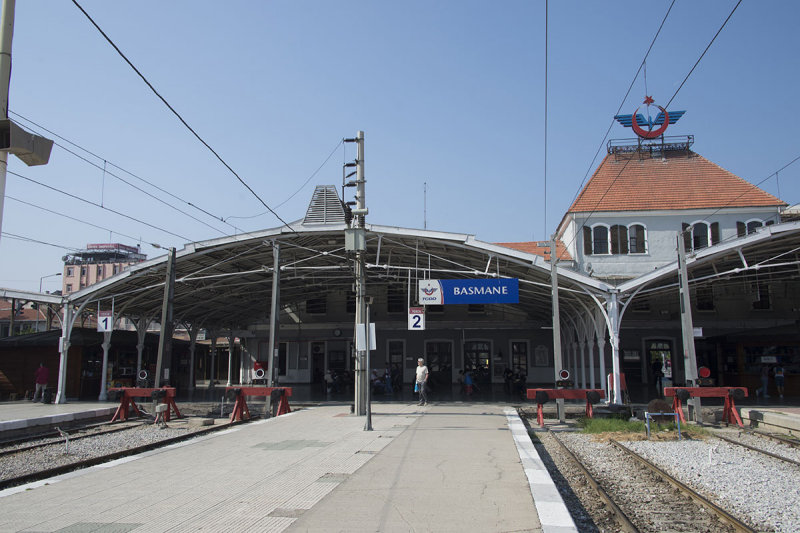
(416, 318)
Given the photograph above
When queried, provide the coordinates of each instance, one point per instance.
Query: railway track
(642, 497)
(794, 443)
(22, 466)
(50, 438)
(616, 514)
(758, 449)
(719, 512)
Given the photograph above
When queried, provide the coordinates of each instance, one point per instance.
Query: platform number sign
(416, 318)
(105, 321)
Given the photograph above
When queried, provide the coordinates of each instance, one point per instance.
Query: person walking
(422, 380)
(42, 375)
(779, 379)
(764, 382)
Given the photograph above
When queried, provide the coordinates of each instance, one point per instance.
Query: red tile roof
(541, 248)
(677, 181)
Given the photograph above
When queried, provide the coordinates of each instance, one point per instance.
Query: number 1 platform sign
(105, 321)
(416, 318)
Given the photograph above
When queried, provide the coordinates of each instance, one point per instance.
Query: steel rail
(78, 465)
(734, 522)
(622, 519)
(759, 450)
(790, 442)
(11, 451)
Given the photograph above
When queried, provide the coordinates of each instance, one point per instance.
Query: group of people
(778, 373)
(515, 382)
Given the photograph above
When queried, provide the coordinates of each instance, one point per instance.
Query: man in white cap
(422, 379)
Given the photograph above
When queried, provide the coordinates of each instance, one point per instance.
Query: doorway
(477, 360)
(439, 360)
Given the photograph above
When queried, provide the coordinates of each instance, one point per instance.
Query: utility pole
(274, 322)
(6, 36)
(557, 361)
(687, 330)
(165, 336)
(355, 241)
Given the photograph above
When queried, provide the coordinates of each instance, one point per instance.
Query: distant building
(96, 263)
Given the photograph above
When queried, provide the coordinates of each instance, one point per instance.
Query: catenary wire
(583, 224)
(622, 103)
(98, 205)
(73, 218)
(301, 187)
(178, 115)
(40, 127)
(28, 239)
(703, 54)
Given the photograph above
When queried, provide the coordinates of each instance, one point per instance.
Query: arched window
(637, 241)
(599, 240)
(700, 235)
(753, 225)
(741, 229)
(619, 240)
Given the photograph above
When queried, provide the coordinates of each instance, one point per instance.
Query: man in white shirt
(422, 379)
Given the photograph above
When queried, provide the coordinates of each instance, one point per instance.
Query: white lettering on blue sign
(470, 291)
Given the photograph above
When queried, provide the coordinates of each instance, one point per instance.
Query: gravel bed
(763, 443)
(588, 511)
(651, 504)
(748, 484)
(54, 455)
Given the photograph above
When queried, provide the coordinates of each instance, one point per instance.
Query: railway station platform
(441, 467)
(23, 416)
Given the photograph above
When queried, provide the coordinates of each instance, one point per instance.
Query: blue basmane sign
(469, 291)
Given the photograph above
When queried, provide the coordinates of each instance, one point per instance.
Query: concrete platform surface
(445, 467)
(24, 414)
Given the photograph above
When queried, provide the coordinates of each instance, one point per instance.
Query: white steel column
(582, 345)
(274, 319)
(231, 347)
(103, 377)
(192, 346)
(211, 367)
(141, 332)
(613, 332)
(64, 344)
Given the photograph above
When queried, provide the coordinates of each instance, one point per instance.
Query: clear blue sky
(449, 92)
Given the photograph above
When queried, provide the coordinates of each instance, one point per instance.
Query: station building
(616, 273)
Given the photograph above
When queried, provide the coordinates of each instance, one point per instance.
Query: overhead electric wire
(301, 187)
(129, 173)
(73, 218)
(753, 185)
(624, 99)
(28, 239)
(703, 54)
(186, 124)
(665, 107)
(98, 205)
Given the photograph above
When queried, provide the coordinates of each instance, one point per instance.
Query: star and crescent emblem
(654, 128)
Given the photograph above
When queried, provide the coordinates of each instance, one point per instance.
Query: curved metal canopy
(226, 282)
